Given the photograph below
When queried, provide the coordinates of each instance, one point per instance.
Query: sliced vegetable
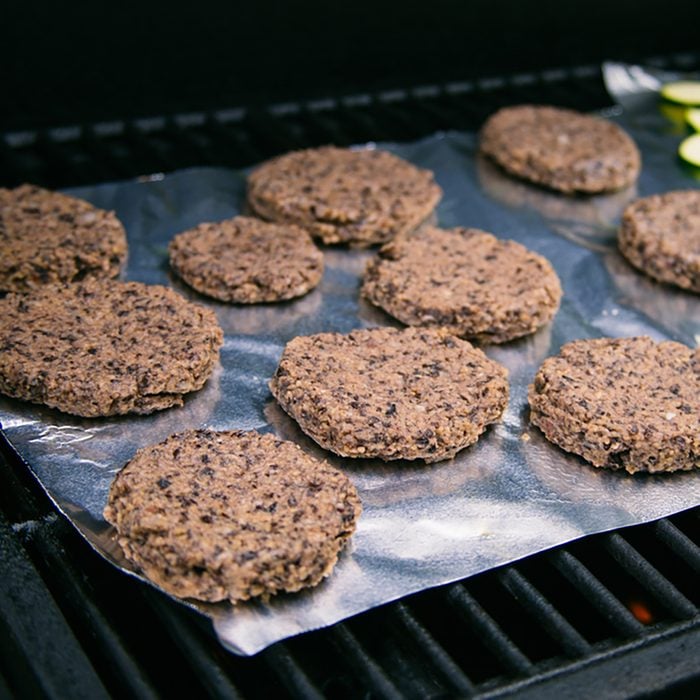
(689, 150)
(685, 92)
(675, 114)
(692, 116)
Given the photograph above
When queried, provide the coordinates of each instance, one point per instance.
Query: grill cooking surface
(613, 606)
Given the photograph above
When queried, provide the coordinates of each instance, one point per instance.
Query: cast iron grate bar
(239, 151)
(21, 499)
(188, 143)
(450, 672)
(117, 666)
(406, 124)
(283, 664)
(272, 134)
(112, 166)
(59, 157)
(209, 673)
(396, 651)
(157, 157)
(5, 689)
(544, 613)
(596, 593)
(40, 653)
(678, 542)
(649, 577)
(493, 637)
(361, 125)
(320, 128)
(363, 664)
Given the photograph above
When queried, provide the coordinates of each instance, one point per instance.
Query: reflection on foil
(588, 220)
(675, 310)
(510, 495)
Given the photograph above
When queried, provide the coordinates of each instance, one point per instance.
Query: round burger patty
(561, 149)
(103, 348)
(340, 195)
(416, 393)
(231, 515)
(622, 403)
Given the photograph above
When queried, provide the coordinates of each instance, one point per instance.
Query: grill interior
(615, 614)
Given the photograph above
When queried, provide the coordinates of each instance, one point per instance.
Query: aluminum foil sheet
(509, 496)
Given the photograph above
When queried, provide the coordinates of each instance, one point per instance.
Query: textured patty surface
(47, 237)
(246, 260)
(360, 197)
(105, 348)
(625, 403)
(231, 515)
(391, 394)
(561, 149)
(466, 280)
(660, 235)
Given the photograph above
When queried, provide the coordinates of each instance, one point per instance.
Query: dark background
(84, 60)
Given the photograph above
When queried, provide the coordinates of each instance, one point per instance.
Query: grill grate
(587, 613)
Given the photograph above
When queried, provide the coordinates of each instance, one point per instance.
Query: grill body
(614, 615)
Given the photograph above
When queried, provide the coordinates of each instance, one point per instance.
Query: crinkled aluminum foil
(509, 496)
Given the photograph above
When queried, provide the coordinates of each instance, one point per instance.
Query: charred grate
(86, 154)
(580, 617)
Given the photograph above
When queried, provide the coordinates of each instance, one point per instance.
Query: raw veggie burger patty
(625, 403)
(105, 348)
(660, 235)
(47, 238)
(231, 515)
(415, 393)
(361, 197)
(247, 260)
(465, 280)
(561, 149)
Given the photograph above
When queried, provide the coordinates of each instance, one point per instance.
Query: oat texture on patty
(103, 348)
(660, 235)
(561, 149)
(48, 237)
(360, 197)
(386, 393)
(465, 280)
(247, 261)
(231, 515)
(622, 403)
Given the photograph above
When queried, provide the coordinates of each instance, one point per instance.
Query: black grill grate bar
(440, 659)
(545, 614)
(406, 124)
(493, 637)
(185, 143)
(11, 162)
(322, 128)
(668, 596)
(440, 114)
(678, 542)
(362, 125)
(100, 152)
(272, 134)
(5, 690)
(238, 150)
(208, 672)
(285, 666)
(596, 593)
(34, 628)
(363, 664)
(157, 158)
(21, 499)
(60, 157)
(80, 603)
